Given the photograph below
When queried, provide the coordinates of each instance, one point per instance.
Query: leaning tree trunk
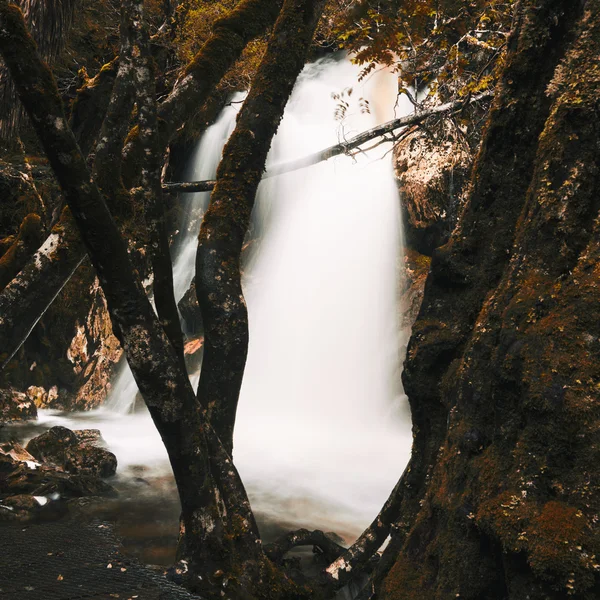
(218, 279)
(501, 495)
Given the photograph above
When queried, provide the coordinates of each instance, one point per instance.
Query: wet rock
(16, 256)
(16, 406)
(90, 460)
(74, 453)
(15, 451)
(69, 358)
(18, 508)
(37, 394)
(25, 508)
(24, 477)
(90, 436)
(190, 311)
(431, 179)
(52, 445)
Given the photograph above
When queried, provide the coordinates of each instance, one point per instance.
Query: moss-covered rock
(63, 448)
(432, 175)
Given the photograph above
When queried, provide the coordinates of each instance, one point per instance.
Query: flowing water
(323, 430)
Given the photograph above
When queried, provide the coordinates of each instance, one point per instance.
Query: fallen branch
(342, 147)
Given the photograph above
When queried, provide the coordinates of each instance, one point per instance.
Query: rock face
(190, 311)
(71, 352)
(69, 358)
(416, 268)
(72, 452)
(431, 179)
(16, 406)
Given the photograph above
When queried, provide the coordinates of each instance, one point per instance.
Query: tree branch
(340, 571)
(231, 34)
(151, 191)
(107, 164)
(342, 147)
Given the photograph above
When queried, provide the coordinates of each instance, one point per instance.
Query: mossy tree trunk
(501, 494)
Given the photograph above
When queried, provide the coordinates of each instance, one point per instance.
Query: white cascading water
(323, 430)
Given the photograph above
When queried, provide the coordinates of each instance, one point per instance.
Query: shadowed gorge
(362, 362)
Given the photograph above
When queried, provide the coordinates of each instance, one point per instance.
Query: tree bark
(144, 80)
(218, 280)
(107, 163)
(502, 433)
(303, 537)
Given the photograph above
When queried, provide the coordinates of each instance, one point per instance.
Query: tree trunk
(218, 279)
(500, 499)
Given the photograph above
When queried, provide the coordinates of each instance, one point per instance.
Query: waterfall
(322, 415)
(322, 432)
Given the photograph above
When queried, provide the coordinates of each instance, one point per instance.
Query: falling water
(322, 432)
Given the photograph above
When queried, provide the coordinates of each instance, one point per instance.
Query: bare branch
(343, 147)
(340, 571)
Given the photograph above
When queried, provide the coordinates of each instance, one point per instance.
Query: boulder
(16, 406)
(90, 460)
(18, 477)
(52, 445)
(90, 436)
(43, 398)
(73, 452)
(431, 180)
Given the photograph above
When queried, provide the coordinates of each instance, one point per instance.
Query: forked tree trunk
(222, 554)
